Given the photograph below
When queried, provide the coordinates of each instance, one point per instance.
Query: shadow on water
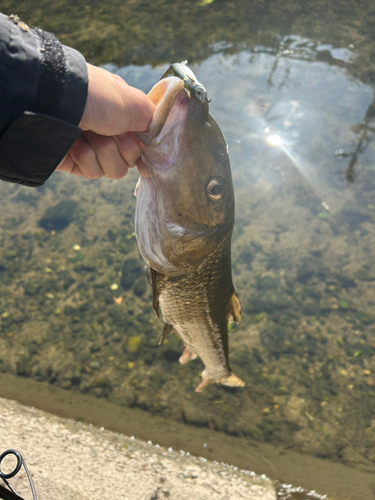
(292, 88)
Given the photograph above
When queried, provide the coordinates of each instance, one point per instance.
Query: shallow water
(292, 87)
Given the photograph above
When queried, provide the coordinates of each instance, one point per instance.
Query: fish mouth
(172, 102)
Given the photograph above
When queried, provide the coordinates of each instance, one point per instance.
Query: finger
(111, 161)
(112, 106)
(139, 109)
(129, 148)
(68, 165)
(61, 166)
(142, 168)
(85, 159)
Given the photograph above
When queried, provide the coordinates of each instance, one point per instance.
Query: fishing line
(20, 462)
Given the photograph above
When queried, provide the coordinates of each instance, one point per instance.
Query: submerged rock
(32, 288)
(310, 267)
(131, 271)
(309, 307)
(140, 286)
(59, 216)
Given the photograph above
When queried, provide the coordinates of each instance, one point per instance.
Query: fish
(184, 219)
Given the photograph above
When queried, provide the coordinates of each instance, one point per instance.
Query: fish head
(186, 207)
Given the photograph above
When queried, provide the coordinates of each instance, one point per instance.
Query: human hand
(107, 146)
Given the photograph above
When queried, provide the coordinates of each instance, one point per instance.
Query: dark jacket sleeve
(43, 91)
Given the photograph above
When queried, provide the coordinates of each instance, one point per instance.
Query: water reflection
(303, 248)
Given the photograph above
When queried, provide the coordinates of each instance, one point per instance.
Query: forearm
(43, 90)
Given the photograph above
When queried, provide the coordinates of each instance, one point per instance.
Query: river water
(292, 87)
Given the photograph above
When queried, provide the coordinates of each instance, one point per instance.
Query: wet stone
(140, 286)
(275, 301)
(309, 307)
(69, 310)
(273, 339)
(59, 216)
(246, 257)
(268, 283)
(366, 318)
(112, 235)
(310, 267)
(131, 271)
(366, 275)
(32, 288)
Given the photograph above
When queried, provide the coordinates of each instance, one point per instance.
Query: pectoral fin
(186, 356)
(166, 330)
(234, 309)
(151, 277)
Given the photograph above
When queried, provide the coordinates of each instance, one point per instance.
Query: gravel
(73, 461)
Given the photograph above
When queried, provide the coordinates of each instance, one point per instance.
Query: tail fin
(231, 380)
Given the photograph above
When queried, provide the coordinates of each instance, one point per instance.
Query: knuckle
(93, 173)
(83, 153)
(119, 79)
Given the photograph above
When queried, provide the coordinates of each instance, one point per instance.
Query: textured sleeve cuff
(76, 86)
(21, 160)
(43, 92)
(63, 80)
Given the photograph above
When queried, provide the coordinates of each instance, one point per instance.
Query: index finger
(138, 108)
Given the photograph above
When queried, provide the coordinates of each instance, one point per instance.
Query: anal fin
(152, 277)
(234, 309)
(204, 382)
(186, 356)
(166, 330)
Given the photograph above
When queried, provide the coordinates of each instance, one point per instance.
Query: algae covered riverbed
(75, 306)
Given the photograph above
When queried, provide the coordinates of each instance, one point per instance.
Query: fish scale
(196, 305)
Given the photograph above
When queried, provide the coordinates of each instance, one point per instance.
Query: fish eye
(215, 189)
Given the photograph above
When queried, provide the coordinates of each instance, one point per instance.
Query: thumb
(113, 107)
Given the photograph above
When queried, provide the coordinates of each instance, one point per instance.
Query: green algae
(133, 344)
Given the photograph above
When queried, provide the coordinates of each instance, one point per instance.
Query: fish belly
(199, 333)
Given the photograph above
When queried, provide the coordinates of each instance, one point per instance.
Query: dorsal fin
(234, 309)
(166, 330)
(151, 277)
